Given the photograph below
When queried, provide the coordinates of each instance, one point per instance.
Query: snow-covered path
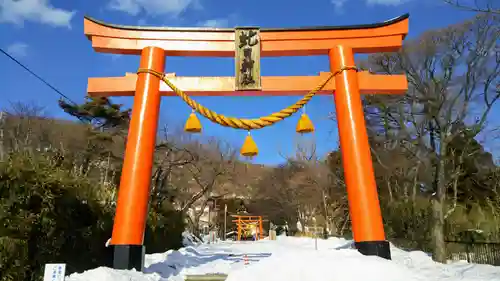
(293, 259)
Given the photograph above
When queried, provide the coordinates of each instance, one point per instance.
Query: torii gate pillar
(364, 207)
(130, 218)
(340, 43)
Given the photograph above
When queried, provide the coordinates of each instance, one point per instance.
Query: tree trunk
(301, 219)
(389, 189)
(344, 224)
(196, 225)
(438, 200)
(405, 192)
(197, 217)
(416, 185)
(325, 209)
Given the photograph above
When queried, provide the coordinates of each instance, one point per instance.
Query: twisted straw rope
(241, 123)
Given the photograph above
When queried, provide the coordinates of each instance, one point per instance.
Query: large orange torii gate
(154, 44)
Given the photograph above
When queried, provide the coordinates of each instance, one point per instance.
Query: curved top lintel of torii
(219, 42)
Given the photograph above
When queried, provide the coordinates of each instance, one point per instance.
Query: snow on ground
(293, 259)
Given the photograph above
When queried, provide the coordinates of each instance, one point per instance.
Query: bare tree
(188, 172)
(282, 200)
(307, 185)
(214, 164)
(484, 6)
(26, 110)
(168, 157)
(453, 75)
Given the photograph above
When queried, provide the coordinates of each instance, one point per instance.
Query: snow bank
(107, 274)
(293, 259)
(188, 239)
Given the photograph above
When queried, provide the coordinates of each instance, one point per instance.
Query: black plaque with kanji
(247, 59)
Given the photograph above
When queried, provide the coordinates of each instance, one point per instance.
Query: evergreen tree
(99, 112)
(107, 124)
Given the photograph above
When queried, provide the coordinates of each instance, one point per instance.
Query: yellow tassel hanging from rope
(249, 148)
(305, 124)
(193, 124)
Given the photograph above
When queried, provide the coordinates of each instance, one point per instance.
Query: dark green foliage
(164, 230)
(99, 112)
(476, 165)
(57, 193)
(407, 224)
(108, 121)
(48, 215)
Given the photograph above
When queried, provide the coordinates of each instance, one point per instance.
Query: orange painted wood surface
(271, 85)
(364, 207)
(213, 42)
(133, 194)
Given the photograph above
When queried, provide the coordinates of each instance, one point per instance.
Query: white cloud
(153, 7)
(215, 23)
(41, 11)
(386, 2)
(339, 5)
(18, 49)
(232, 19)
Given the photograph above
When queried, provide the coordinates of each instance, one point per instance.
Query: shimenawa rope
(241, 123)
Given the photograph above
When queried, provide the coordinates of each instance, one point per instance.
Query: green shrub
(47, 215)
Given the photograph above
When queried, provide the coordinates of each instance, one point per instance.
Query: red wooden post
(364, 206)
(133, 194)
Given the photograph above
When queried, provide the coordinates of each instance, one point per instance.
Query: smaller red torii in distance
(243, 220)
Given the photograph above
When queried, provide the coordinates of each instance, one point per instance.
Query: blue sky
(47, 36)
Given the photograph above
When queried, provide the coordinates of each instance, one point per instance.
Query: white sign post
(54, 272)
